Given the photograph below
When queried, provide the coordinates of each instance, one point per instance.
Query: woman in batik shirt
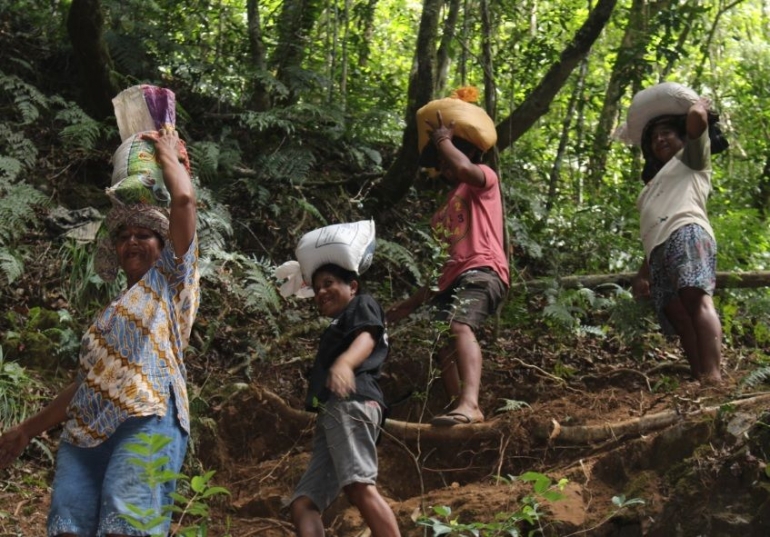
(131, 379)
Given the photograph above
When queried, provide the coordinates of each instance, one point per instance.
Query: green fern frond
(262, 121)
(204, 159)
(10, 168)
(17, 213)
(756, 377)
(291, 164)
(11, 266)
(27, 99)
(597, 331)
(14, 144)
(399, 256)
(512, 405)
(310, 208)
(560, 313)
(81, 131)
(215, 224)
(260, 293)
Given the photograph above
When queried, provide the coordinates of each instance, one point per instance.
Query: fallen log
(726, 280)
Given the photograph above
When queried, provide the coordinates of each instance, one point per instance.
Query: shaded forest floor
(582, 409)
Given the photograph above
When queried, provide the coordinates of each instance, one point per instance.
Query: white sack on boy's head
(348, 245)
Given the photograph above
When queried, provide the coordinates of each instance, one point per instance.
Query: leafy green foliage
(20, 394)
(528, 515)
(82, 287)
(153, 472)
(11, 266)
(398, 256)
(17, 211)
(80, 131)
(42, 337)
(511, 405)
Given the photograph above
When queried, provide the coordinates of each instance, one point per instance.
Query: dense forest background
(301, 113)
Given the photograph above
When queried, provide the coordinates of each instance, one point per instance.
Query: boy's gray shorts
(344, 450)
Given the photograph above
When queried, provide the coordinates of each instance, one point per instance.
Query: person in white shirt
(679, 270)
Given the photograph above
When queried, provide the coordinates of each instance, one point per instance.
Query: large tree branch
(537, 103)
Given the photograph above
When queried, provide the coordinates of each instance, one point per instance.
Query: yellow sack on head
(472, 123)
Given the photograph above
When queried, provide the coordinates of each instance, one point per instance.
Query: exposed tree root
(495, 428)
(591, 434)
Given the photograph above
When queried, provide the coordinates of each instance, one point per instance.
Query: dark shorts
(688, 258)
(473, 297)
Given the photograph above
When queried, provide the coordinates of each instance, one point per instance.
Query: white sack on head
(667, 98)
(349, 245)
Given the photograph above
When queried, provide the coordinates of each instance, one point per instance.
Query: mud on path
(612, 425)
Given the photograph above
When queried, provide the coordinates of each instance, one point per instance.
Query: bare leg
(447, 358)
(462, 376)
(708, 330)
(682, 323)
(374, 509)
(306, 518)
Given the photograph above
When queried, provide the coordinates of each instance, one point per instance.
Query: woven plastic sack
(136, 175)
(667, 98)
(471, 122)
(349, 245)
(144, 108)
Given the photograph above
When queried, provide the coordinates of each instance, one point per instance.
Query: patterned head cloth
(140, 215)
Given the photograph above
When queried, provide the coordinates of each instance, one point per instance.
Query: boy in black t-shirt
(343, 389)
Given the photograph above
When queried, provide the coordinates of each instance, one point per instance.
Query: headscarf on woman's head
(120, 216)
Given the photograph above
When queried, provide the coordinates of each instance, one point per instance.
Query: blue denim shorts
(94, 486)
(344, 450)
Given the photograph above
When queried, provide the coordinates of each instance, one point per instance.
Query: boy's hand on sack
(341, 381)
(440, 132)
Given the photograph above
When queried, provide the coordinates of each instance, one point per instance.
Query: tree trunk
(442, 56)
(260, 97)
(555, 175)
(367, 11)
(85, 25)
(629, 68)
(536, 104)
(297, 19)
(401, 174)
(762, 200)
